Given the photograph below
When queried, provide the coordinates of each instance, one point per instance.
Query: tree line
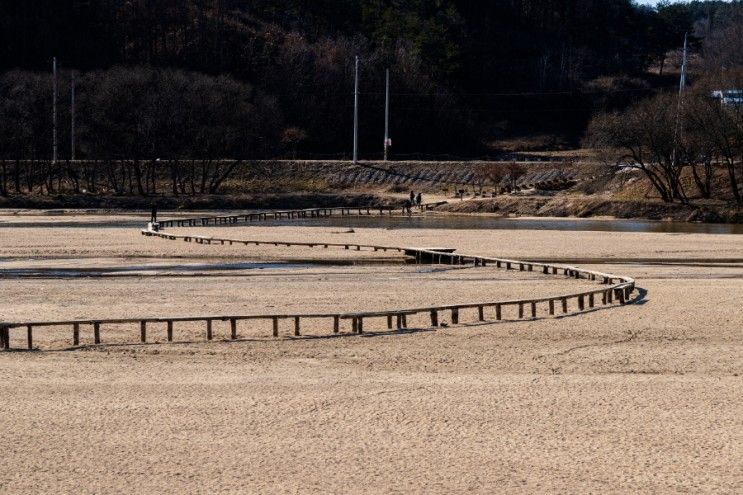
(116, 177)
(463, 73)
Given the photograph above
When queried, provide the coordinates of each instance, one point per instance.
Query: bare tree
(645, 136)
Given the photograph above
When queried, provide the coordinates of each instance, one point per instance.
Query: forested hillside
(262, 78)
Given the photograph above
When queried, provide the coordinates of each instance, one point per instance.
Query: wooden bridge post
(143, 331)
(590, 300)
(564, 304)
(76, 334)
(481, 313)
(533, 310)
(336, 324)
(620, 295)
(399, 322)
(609, 296)
(552, 306)
(30, 336)
(170, 331)
(521, 310)
(455, 316)
(275, 326)
(354, 324)
(434, 318)
(360, 325)
(5, 337)
(296, 326)
(208, 329)
(389, 322)
(233, 328)
(97, 333)
(405, 321)
(581, 303)
(498, 314)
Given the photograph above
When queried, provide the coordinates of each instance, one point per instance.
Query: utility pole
(682, 80)
(54, 110)
(387, 115)
(72, 117)
(356, 113)
(682, 87)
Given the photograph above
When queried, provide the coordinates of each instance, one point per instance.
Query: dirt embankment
(583, 207)
(298, 199)
(543, 188)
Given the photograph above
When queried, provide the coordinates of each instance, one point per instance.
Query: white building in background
(729, 96)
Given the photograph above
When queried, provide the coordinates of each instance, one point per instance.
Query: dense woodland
(212, 79)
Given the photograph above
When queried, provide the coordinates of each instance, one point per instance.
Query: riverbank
(535, 205)
(588, 206)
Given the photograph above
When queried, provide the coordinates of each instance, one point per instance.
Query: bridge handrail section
(615, 288)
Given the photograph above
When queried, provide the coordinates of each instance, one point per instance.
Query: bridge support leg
(455, 316)
(434, 318)
(97, 333)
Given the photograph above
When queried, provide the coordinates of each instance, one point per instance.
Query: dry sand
(642, 398)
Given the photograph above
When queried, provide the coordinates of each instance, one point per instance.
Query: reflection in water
(433, 221)
(489, 222)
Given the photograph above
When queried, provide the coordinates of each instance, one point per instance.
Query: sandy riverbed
(647, 397)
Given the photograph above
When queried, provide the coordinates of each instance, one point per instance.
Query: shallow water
(488, 223)
(137, 270)
(432, 222)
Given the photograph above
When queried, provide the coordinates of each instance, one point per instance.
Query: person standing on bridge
(418, 199)
(412, 198)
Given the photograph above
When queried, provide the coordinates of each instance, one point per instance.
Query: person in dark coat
(406, 207)
(418, 199)
(412, 198)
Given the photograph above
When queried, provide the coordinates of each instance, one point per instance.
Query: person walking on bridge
(418, 199)
(406, 208)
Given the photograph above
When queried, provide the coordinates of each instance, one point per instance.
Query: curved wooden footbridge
(611, 289)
